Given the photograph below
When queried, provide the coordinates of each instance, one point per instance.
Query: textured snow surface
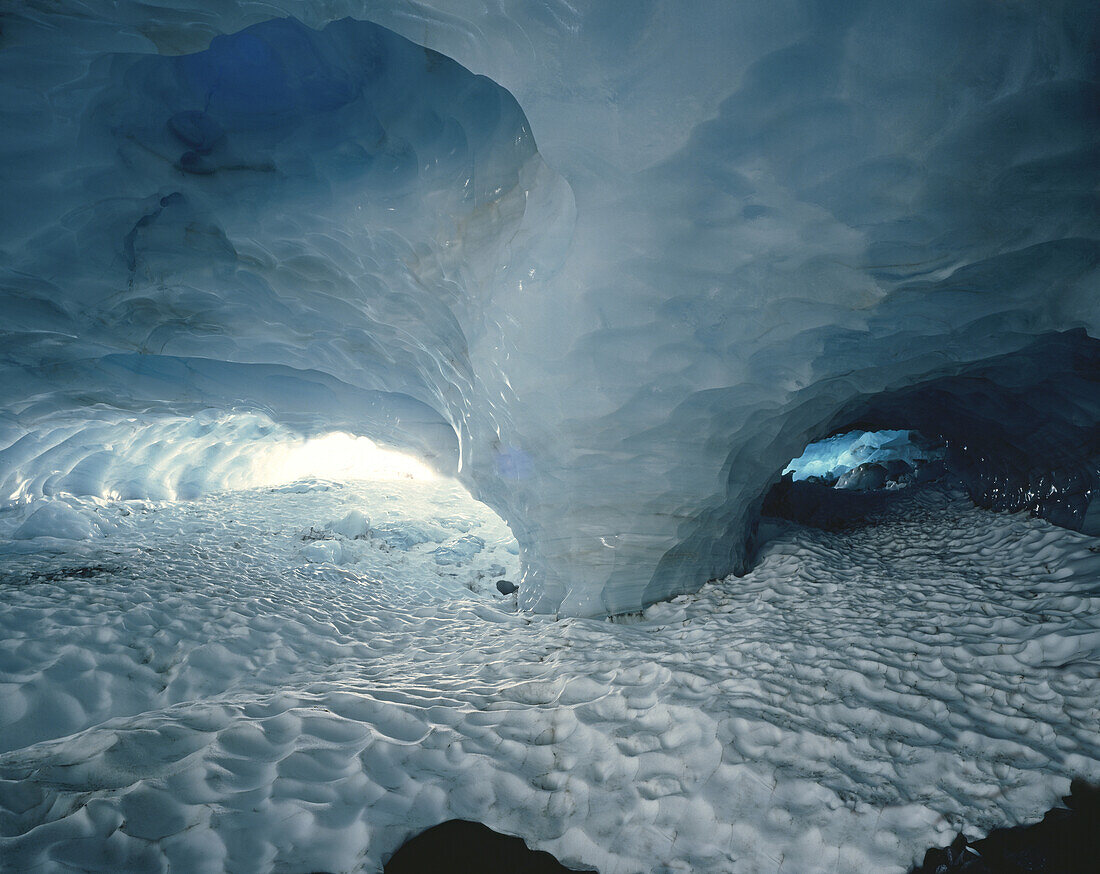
(616, 264)
(190, 687)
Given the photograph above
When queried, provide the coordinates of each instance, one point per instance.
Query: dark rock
(460, 847)
(1082, 796)
(506, 587)
(864, 478)
(897, 469)
(81, 572)
(1066, 841)
(193, 162)
(935, 861)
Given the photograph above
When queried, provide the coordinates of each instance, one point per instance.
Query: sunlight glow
(340, 456)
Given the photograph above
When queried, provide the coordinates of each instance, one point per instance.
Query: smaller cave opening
(1021, 431)
(463, 847)
(866, 460)
(840, 480)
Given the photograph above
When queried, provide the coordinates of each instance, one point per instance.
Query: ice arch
(1022, 429)
(290, 232)
(739, 226)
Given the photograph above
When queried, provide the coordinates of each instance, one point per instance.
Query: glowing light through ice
(183, 458)
(341, 456)
(834, 456)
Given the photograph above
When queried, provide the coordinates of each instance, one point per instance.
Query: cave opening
(81, 496)
(839, 481)
(1017, 432)
(867, 460)
(232, 634)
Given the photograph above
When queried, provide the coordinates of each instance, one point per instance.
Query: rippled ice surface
(300, 679)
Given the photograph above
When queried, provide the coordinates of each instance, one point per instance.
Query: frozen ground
(300, 679)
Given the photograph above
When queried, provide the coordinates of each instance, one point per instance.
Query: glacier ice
(834, 456)
(613, 265)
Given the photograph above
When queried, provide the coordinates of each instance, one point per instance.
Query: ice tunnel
(767, 330)
(614, 267)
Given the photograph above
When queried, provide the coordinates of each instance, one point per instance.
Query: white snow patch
(192, 694)
(355, 525)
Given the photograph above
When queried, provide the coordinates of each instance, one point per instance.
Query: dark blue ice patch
(265, 72)
(197, 130)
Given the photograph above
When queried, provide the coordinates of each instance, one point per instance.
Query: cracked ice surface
(243, 703)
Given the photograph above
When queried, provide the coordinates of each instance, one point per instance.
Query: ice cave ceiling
(616, 264)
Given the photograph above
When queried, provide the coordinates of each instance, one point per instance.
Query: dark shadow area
(821, 506)
(461, 847)
(1067, 841)
(845, 480)
(1022, 430)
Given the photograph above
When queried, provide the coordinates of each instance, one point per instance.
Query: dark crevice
(818, 505)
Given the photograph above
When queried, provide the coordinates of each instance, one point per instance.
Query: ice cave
(639, 437)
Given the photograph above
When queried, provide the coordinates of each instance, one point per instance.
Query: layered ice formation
(614, 264)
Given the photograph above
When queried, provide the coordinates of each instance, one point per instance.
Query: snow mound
(460, 551)
(57, 519)
(354, 526)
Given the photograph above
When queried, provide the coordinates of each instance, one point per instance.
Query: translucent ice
(831, 458)
(616, 264)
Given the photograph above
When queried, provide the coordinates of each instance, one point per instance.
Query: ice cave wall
(617, 285)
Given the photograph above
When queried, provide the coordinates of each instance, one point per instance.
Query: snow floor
(270, 680)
